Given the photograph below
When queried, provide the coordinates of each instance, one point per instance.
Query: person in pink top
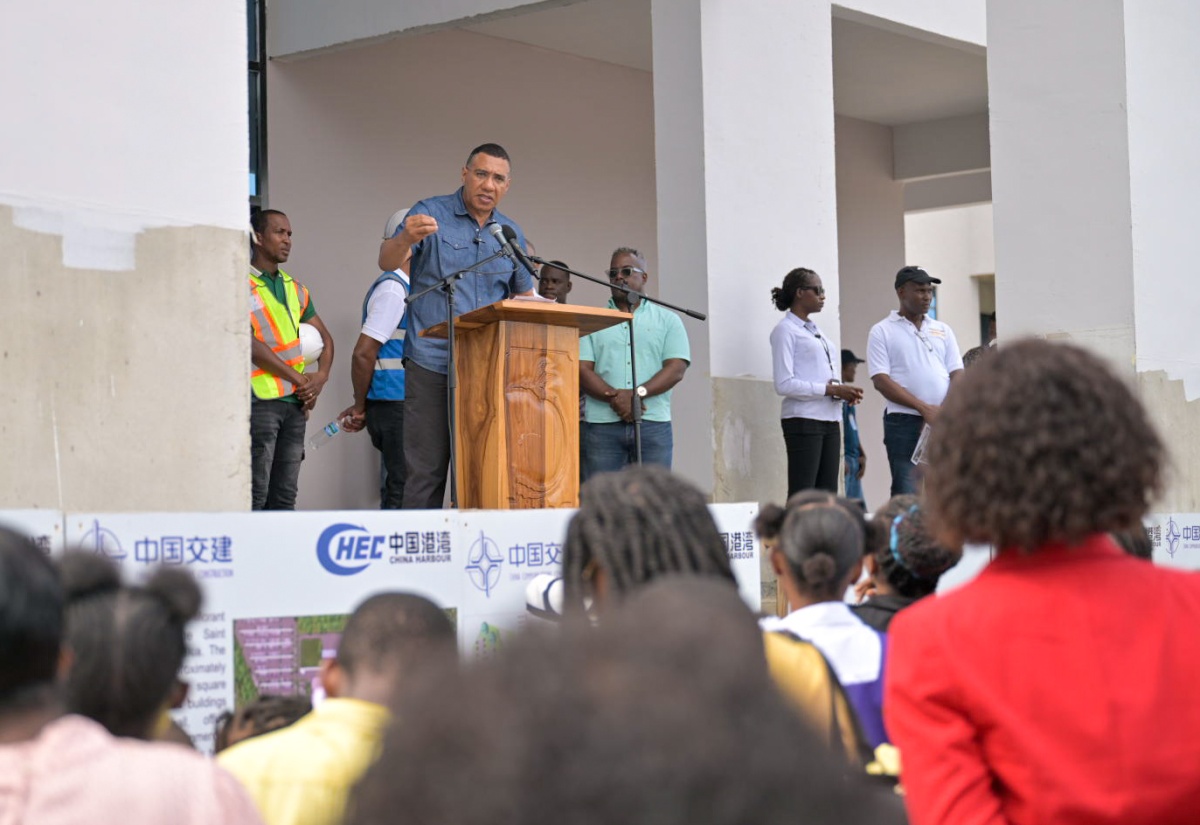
(62, 769)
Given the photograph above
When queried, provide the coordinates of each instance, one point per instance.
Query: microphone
(509, 249)
(498, 233)
(508, 239)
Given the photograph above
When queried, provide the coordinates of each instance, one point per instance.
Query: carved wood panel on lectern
(541, 388)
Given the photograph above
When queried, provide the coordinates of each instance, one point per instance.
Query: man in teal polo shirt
(606, 378)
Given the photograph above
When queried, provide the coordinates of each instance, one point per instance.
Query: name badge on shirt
(937, 333)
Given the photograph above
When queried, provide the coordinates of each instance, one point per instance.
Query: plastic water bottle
(324, 436)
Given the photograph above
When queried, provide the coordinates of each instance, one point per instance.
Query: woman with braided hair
(632, 527)
(643, 523)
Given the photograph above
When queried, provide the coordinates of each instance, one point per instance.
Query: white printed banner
(1175, 538)
(45, 527)
(279, 586)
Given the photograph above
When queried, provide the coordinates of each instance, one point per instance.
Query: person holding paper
(911, 359)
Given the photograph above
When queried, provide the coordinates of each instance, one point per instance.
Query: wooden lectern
(517, 405)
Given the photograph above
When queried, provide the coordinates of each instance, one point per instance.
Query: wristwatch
(641, 392)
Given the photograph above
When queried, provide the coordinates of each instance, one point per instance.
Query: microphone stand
(447, 285)
(635, 404)
(633, 298)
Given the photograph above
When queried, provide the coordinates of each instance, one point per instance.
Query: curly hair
(972, 356)
(265, 714)
(783, 296)
(914, 567)
(1040, 443)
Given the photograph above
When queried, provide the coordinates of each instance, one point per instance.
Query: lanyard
(816, 333)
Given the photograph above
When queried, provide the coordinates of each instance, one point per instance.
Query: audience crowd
(1055, 687)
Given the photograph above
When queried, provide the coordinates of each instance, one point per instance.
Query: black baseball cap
(916, 275)
(848, 357)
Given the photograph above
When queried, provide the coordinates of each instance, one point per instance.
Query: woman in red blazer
(1063, 684)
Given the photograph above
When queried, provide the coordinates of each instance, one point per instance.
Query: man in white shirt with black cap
(911, 360)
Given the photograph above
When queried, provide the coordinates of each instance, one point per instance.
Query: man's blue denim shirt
(459, 243)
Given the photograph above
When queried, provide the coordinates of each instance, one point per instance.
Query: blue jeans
(853, 484)
(901, 432)
(609, 447)
(276, 450)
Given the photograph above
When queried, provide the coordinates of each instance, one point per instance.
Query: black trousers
(426, 438)
(385, 423)
(813, 452)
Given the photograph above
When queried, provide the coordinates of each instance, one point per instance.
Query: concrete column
(1093, 118)
(870, 215)
(125, 345)
(744, 140)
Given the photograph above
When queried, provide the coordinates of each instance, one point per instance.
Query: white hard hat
(544, 597)
(394, 223)
(311, 345)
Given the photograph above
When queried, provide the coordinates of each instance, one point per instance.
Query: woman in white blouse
(803, 367)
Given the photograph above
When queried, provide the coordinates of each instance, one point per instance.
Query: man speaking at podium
(443, 235)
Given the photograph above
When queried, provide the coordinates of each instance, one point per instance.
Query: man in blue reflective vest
(377, 375)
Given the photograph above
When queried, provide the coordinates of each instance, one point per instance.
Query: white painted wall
(769, 169)
(353, 137)
(102, 148)
(756, 197)
(1060, 171)
(870, 234)
(955, 244)
(1162, 73)
(948, 146)
(305, 26)
(125, 342)
(964, 20)
(298, 26)
(1093, 195)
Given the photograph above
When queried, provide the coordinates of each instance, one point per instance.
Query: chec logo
(1172, 534)
(483, 564)
(346, 549)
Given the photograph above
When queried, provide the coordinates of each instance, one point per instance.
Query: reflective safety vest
(387, 384)
(277, 326)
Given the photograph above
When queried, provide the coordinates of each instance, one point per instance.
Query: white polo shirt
(920, 360)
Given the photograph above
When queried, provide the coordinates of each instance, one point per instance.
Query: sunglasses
(819, 290)
(624, 272)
